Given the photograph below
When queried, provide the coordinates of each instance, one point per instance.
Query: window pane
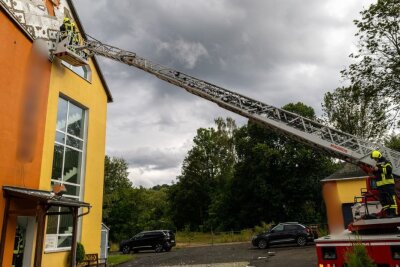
(57, 162)
(65, 224)
(74, 142)
(64, 241)
(75, 121)
(60, 137)
(79, 70)
(72, 166)
(62, 114)
(52, 221)
(72, 190)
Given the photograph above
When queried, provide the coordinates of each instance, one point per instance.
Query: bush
(264, 227)
(80, 252)
(357, 256)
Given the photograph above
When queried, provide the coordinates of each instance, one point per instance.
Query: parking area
(235, 255)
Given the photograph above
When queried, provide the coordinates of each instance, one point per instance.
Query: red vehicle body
(384, 249)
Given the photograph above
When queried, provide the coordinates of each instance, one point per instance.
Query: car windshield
(277, 228)
(138, 235)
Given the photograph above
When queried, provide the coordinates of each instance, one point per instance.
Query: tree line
(237, 177)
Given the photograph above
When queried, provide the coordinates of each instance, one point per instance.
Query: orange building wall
(20, 129)
(333, 207)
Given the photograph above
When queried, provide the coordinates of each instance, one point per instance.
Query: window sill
(55, 250)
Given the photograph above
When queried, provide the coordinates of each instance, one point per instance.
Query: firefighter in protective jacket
(385, 183)
(66, 28)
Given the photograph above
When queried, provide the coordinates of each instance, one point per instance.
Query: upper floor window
(83, 71)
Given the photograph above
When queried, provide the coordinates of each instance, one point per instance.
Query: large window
(67, 168)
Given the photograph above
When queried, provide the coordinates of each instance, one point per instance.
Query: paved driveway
(236, 255)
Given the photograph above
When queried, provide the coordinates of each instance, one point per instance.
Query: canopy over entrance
(33, 202)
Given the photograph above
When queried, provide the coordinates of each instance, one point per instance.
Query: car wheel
(158, 248)
(301, 241)
(167, 246)
(126, 249)
(263, 244)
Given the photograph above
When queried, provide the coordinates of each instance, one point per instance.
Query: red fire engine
(370, 227)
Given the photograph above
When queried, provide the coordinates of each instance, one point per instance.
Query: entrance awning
(37, 203)
(42, 197)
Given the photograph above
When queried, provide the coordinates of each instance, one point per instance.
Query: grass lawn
(216, 238)
(113, 260)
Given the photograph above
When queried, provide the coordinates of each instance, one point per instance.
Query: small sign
(51, 241)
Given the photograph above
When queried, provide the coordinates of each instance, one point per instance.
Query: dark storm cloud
(275, 51)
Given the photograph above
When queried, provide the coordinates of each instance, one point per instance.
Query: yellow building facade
(67, 85)
(339, 191)
(66, 145)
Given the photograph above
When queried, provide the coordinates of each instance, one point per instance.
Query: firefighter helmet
(376, 154)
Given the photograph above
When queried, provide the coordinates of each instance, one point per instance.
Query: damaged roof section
(33, 18)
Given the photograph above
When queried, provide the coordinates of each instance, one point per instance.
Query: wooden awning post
(41, 219)
(74, 235)
(4, 230)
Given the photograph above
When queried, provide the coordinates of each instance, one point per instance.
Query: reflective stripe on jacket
(384, 174)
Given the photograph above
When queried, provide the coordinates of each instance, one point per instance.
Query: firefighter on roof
(385, 183)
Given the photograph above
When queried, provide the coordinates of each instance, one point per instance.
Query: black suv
(158, 240)
(283, 233)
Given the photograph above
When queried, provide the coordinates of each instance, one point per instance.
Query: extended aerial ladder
(333, 142)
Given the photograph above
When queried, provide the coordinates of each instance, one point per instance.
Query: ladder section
(334, 142)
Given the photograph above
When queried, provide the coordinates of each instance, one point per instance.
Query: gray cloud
(275, 51)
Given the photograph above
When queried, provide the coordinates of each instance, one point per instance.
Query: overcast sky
(276, 51)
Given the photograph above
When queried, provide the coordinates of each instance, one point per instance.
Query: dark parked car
(284, 233)
(157, 240)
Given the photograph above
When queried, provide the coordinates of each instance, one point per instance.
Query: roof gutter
(343, 179)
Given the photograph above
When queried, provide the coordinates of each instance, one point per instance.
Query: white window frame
(82, 167)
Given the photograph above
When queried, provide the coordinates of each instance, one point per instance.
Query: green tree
(206, 170)
(115, 179)
(128, 210)
(393, 142)
(357, 256)
(276, 179)
(154, 209)
(376, 70)
(353, 112)
(120, 201)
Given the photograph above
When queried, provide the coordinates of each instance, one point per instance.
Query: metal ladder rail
(334, 142)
